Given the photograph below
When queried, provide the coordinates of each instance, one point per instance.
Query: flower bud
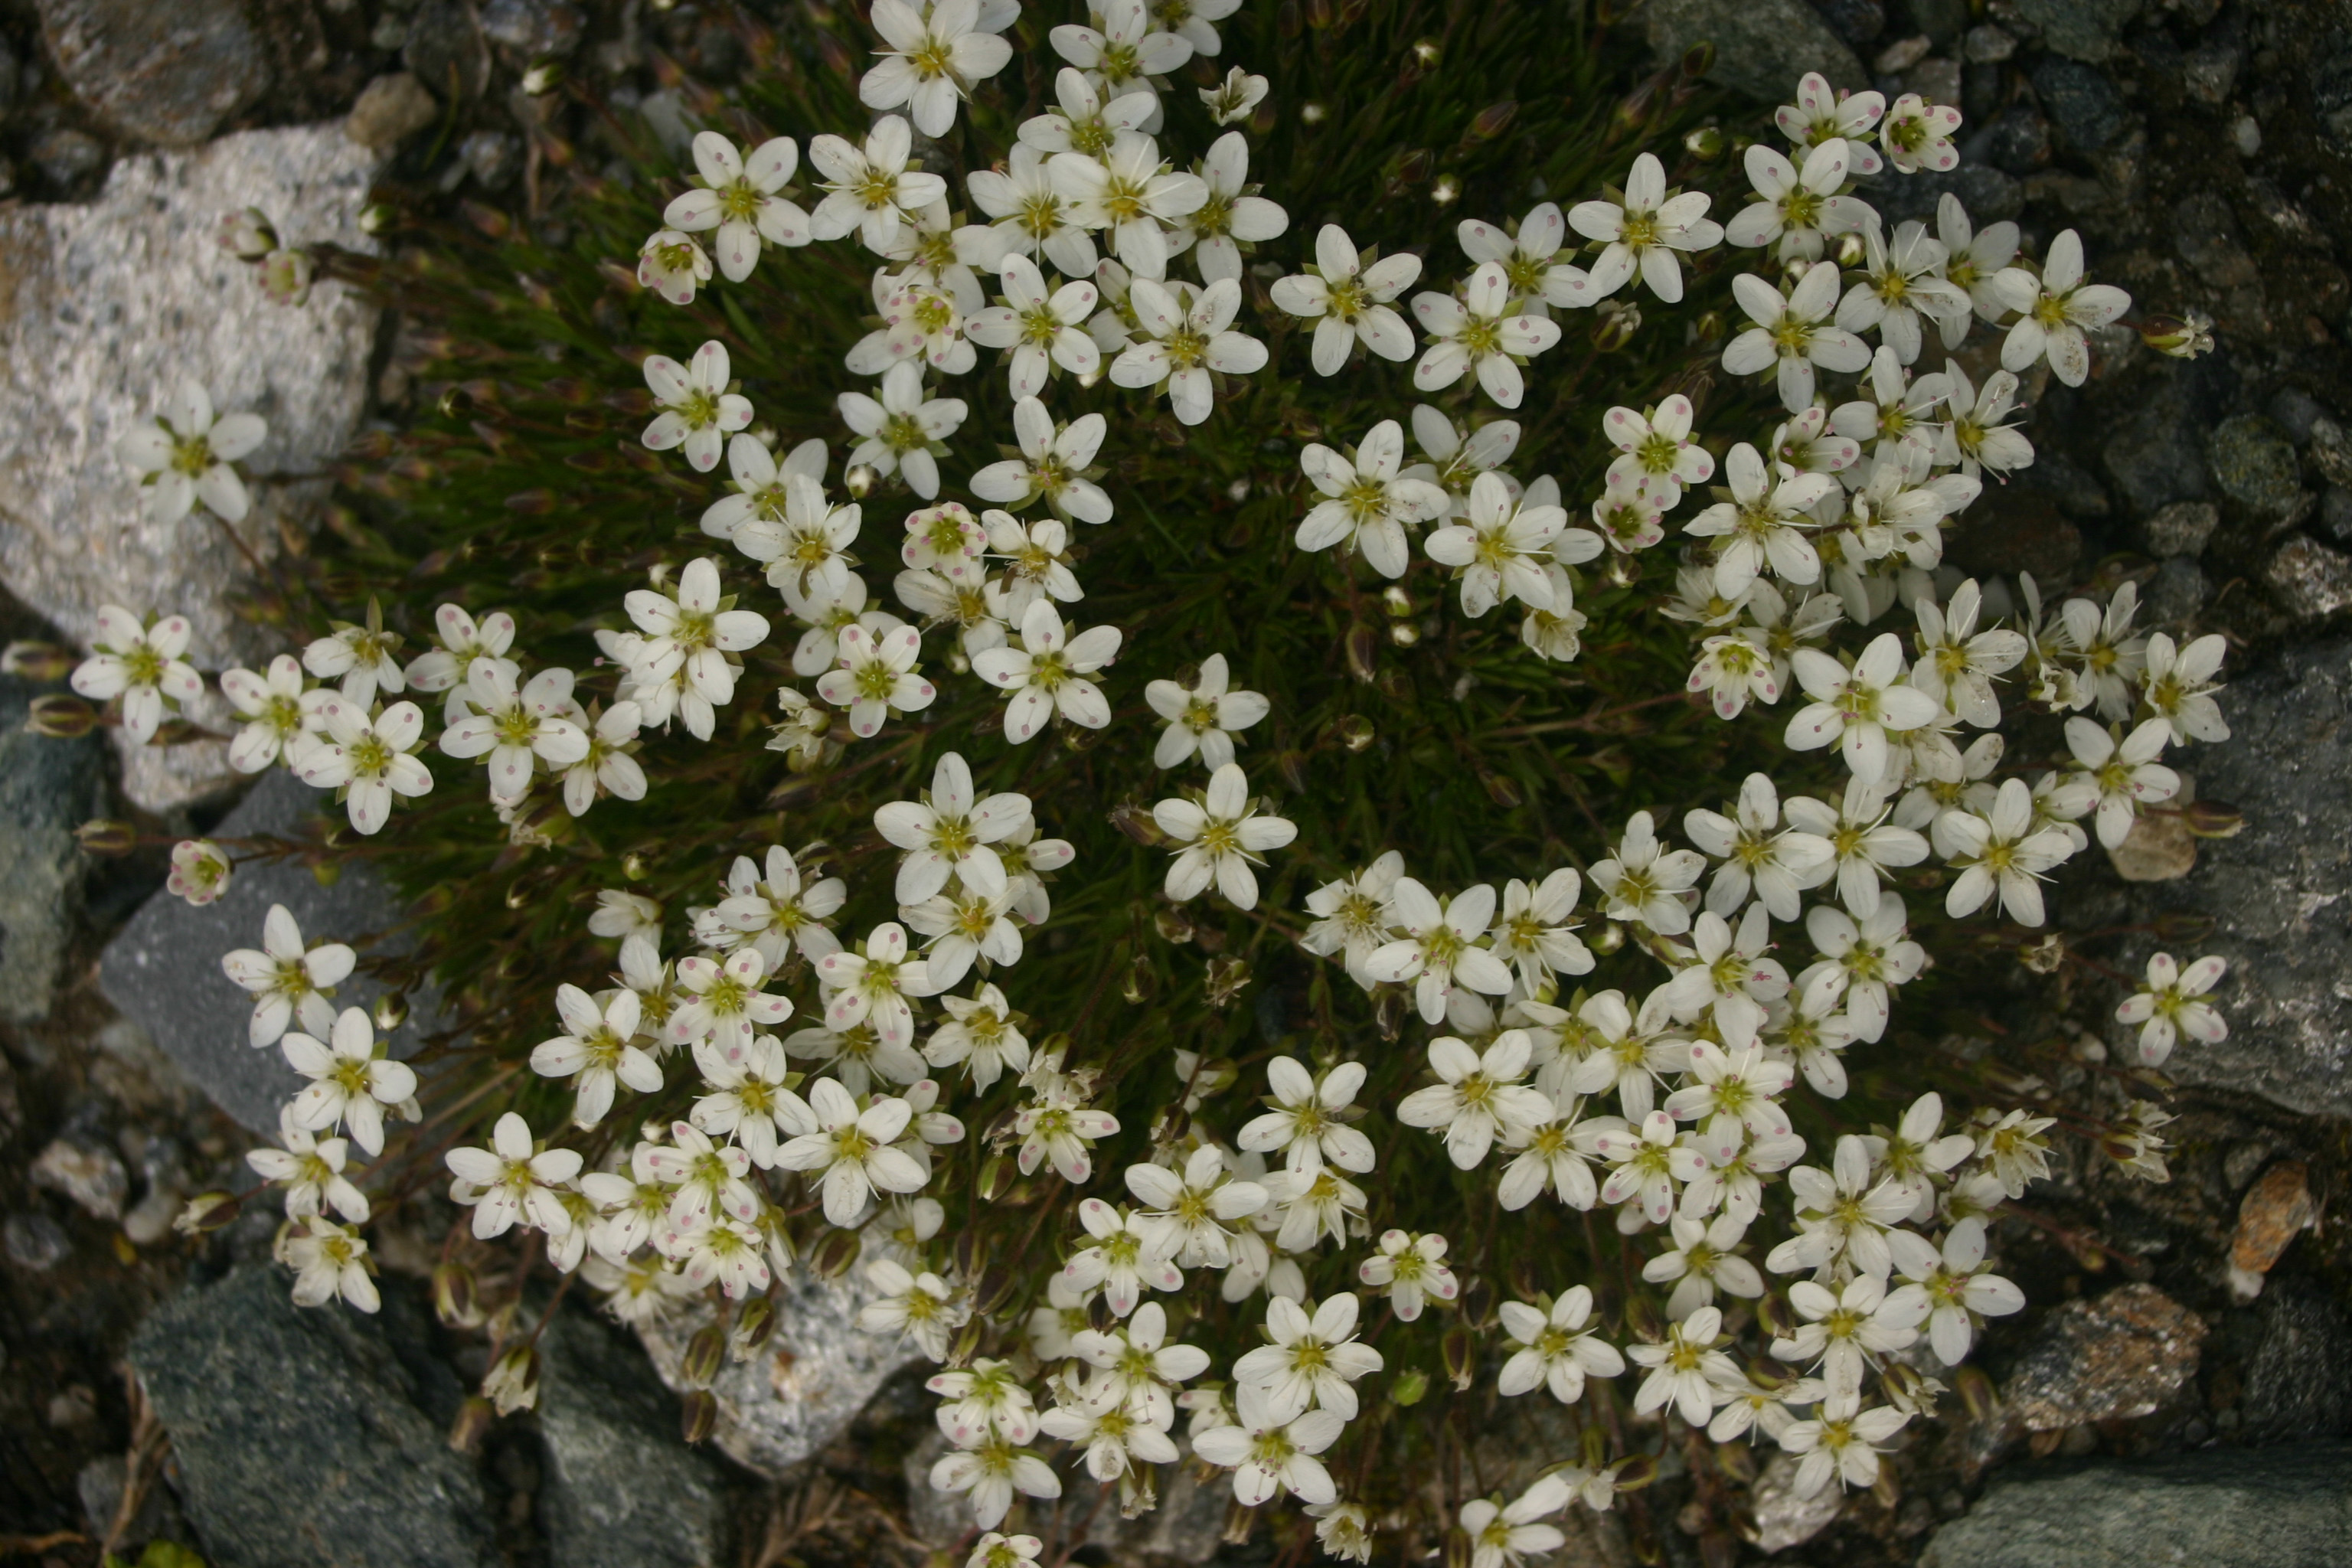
(60, 718)
(1457, 1553)
(994, 1289)
(860, 479)
(1478, 1300)
(472, 1423)
(1460, 1354)
(1493, 121)
(1135, 823)
(391, 1011)
(1364, 652)
(1698, 59)
(753, 1329)
(542, 79)
(1976, 1391)
(1388, 1012)
(698, 1414)
(2213, 819)
(285, 276)
(1173, 925)
(1642, 1321)
(512, 1383)
(37, 660)
(1409, 1387)
(2184, 336)
(834, 1254)
(996, 1174)
(108, 837)
(247, 233)
(1614, 328)
(1636, 1473)
(454, 1301)
(1706, 143)
(703, 1353)
(207, 1212)
(1355, 733)
(1773, 1311)
(378, 217)
(1140, 983)
(966, 1344)
(1226, 977)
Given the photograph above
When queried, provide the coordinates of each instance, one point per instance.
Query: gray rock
(2083, 30)
(445, 50)
(803, 1388)
(622, 1490)
(1987, 45)
(112, 304)
(2299, 1380)
(77, 1166)
(1942, 20)
(533, 27)
(1761, 47)
(1858, 21)
(66, 157)
(2101, 1359)
(304, 1437)
(2184, 528)
(1988, 194)
(2154, 454)
(2277, 893)
(2335, 521)
(2018, 140)
(2223, 1508)
(163, 969)
(2176, 593)
(2076, 490)
(2297, 413)
(2081, 100)
(2311, 581)
(47, 788)
(35, 1241)
(390, 110)
(494, 157)
(2254, 464)
(1783, 1518)
(161, 72)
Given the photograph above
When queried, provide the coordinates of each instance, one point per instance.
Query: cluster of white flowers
(1664, 1106)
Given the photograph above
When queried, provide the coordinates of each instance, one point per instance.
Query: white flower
(1220, 838)
(329, 1260)
(776, 912)
(852, 1149)
(1478, 1100)
(1823, 113)
(183, 456)
(916, 1307)
(1894, 407)
(1734, 1091)
(596, 1051)
(1957, 662)
(1349, 303)
(1686, 1370)
(698, 411)
(514, 730)
(1128, 1253)
(748, 1102)
(513, 1180)
(1202, 717)
(989, 1472)
(1651, 1161)
(920, 317)
(1474, 336)
(1559, 1347)
(1236, 96)
(1438, 948)
(876, 677)
(1308, 1118)
(1036, 561)
(368, 759)
(1702, 1260)
(1311, 1360)
(141, 665)
(1974, 437)
(949, 833)
(995, 1551)
(1900, 283)
(276, 714)
(2177, 686)
(870, 190)
(1918, 136)
(200, 872)
(1797, 208)
(1841, 1442)
(1777, 864)
(2125, 773)
(936, 55)
(1232, 215)
(1842, 1213)
(2112, 658)
(1053, 463)
(2172, 1003)
(310, 1169)
(1043, 329)
(286, 981)
(1762, 526)
(365, 656)
(742, 199)
(1856, 709)
(1642, 881)
(1128, 190)
(1625, 1052)
(1860, 961)
(1033, 217)
(1407, 1269)
(1792, 330)
(2057, 307)
(1504, 549)
(1047, 673)
(1183, 346)
(1086, 119)
(875, 984)
(1350, 915)
(722, 1001)
(1112, 1435)
(672, 265)
(1529, 258)
(899, 429)
(1368, 500)
(606, 767)
(1656, 446)
(980, 1034)
(1190, 1212)
(1056, 1126)
(2002, 854)
(1317, 1205)
(758, 482)
(1556, 1152)
(1951, 1287)
(1126, 49)
(1864, 844)
(1536, 933)
(1505, 1535)
(1270, 1452)
(1641, 232)
(1846, 1328)
(349, 1083)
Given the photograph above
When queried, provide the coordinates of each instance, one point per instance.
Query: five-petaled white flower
(1560, 1348)
(949, 832)
(1686, 1371)
(2124, 773)
(720, 1000)
(1042, 327)
(1854, 709)
(350, 1084)
(1842, 1442)
(367, 759)
(277, 718)
(1202, 717)
(916, 1307)
(672, 265)
(1348, 301)
(1952, 1285)
(1651, 1161)
(2003, 855)
(869, 189)
(1311, 1360)
(2057, 307)
(288, 982)
(876, 678)
(1190, 1213)
(310, 1169)
(514, 1180)
(1478, 335)
(1052, 464)
(1184, 344)
(1127, 50)
(1409, 1270)
(1128, 190)
(1504, 549)
(515, 728)
(742, 198)
(1797, 207)
(1644, 881)
(1048, 674)
(1368, 500)
(1232, 215)
(1438, 948)
(898, 427)
(1793, 332)
(141, 665)
(1656, 446)
(874, 984)
(1505, 1535)
(2172, 1003)
(329, 1260)
(853, 1148)
(1478, 1100)
(1918, 134)
(1221, 836)
(597, 1049)
(1641, 232)
(1271, 1452)
(1762, 527)
(936, 56)
(1308, 1122)
(184, 454)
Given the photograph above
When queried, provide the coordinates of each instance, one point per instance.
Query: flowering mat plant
(1269, 716)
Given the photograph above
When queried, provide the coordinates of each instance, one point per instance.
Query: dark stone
(2174, 595)
(2111, 1357)
(2084, 29)
(35, 1241)
(1989, 195)
(2297, 413)
(66, 157)
(2299, 1379)
(2154, 455)
(2309, 581)
(2221, 1508)
(2184, 528)
(304, 1437)
(47, 788)
(2254, 464)
(533, 29)
(163, 969)
(622, 1488)
(2335, 516)
(2016, 529)
(494, 156)
(1856, 21)
(2018, 140)
(7, 78)
(2085, 103)
(1761, 47)
(2076, 490)
(2206, 233)
(2275, 893)
(161, 71)
(445, 51)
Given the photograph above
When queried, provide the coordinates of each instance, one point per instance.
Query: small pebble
(1903, 54)
(35, 1241)
(2247, 133)
(2276, 1210)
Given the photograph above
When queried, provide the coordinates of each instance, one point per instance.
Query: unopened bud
(1140, 983)
(1409, 1387)
(472, 1423)
(1173, 925)
(2045, 956)
(1698, 59)
(1706, 143)
(1976, 1391)
(994, 1289)
(704, 1352)
(1637, 1472)
(2213, 819)
(1708, 327)
(860, 479)
(834, 1254)
(59, 717)
(207, 1212)
(1460, 1354)
(378, 217)
(454, 1301)
(697, 1414)
(1363, 647)
(1616, 329)
(1137, 823)
(2184, 336)
(1851, 250)
(966, 1344)
(542, 79)
(1226, 977)
(1457, 1553)
(1773, 1311)
(108, 837)
(1493, 121)
(996, 1174)
(1355, 733)
(1502, 789)
(1388, 1012)
(1477, 1301)
(37, 660)
(285, 276)
(2174, 926)
(391, 1011)
(1642, 1321)
(753, 1329)
(513, 1380)
(1292, 765)
(247, 233)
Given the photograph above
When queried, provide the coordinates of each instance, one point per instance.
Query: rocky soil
(2183, 1384)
